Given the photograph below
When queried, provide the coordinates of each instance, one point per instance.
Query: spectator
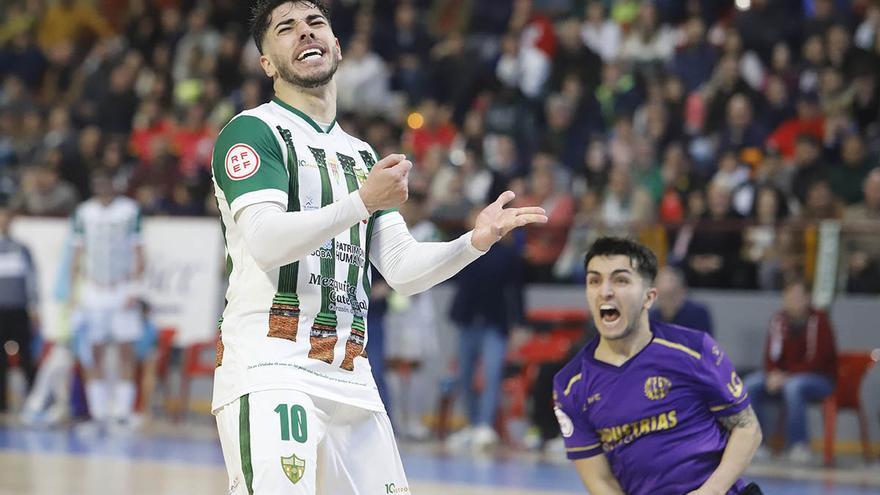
(725, 83)
(675, 306)
(67, 23)
(363, 80)
(809, 121)
(544, 243)
(761, 240)
(847, 177)
(800, 366)
(808, 166)
(625, 206)
(713, 253)
(23, 58)
(649, 43)
(411, 335)
(694, 59)
(200, 40)
(44, 193)
(862, 241)
(573, 57)
(600, 34)
(487, 303)
(19, 317)
(821, 204)
(742, 133)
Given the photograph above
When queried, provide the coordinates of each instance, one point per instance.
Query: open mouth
(609, 314)
(310, 54)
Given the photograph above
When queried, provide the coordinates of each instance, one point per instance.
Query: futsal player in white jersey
(306, 208)
(108, 259)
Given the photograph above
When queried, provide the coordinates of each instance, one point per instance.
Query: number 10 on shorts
(293, 422)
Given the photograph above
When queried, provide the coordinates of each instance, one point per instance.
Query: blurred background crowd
(720, 133)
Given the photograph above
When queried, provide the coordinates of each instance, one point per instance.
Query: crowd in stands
(722, 136)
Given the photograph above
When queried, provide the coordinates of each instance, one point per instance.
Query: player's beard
(316, 80)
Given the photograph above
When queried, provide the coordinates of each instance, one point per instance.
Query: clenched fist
(387, 185)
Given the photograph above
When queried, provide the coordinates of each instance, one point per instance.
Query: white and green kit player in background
(108, 258)
(306, 208)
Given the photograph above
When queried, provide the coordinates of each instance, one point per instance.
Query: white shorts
(106, 316)
(285, 442)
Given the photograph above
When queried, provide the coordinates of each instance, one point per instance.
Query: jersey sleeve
(580, 438)
(721, 387)
(248, 164)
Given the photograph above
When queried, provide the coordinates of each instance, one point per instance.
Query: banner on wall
(183, 281)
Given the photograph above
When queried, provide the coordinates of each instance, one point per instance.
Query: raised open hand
(495, 221)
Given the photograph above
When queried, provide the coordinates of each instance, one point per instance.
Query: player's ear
(268, 66)
(338, 49)
(650, 297)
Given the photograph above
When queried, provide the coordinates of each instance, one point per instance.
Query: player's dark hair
(261, 13)
(640, 257)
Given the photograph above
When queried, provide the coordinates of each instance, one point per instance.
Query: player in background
(109, 258)
(306, 209)
(648, 407)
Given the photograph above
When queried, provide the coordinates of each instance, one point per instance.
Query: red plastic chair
(197, 362)
(147, 384)
(851, 370)
(562, 327)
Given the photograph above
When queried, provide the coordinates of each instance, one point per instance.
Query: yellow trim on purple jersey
(725, 406)
(680, 347)
(571, 382)
(583, 449)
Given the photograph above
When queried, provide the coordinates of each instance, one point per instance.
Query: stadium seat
(197, 362)
(851, 370)
(556, 330)
(154, 372)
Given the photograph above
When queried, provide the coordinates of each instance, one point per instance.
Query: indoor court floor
(186, 459)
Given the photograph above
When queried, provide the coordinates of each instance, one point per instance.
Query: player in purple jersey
(648, 407)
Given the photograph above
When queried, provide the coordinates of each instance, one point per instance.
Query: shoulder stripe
(571, 382)
(583, 449)
(680, 347)
(725, 406)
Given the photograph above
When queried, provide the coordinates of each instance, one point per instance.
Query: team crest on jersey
(293, 467)
(657, 387)
(241, 162)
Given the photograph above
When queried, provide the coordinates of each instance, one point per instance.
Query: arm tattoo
(742, 419)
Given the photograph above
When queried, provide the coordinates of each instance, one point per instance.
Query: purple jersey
(654, 417)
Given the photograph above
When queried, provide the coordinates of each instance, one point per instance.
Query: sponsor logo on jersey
(241, 162)
(393, 489)
(735, 387)
(615, 436)
(716, 351)
(293, 468)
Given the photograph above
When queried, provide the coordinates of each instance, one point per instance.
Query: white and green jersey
(302, 326)
(108, 235)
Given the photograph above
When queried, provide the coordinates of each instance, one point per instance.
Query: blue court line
(421, 466)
